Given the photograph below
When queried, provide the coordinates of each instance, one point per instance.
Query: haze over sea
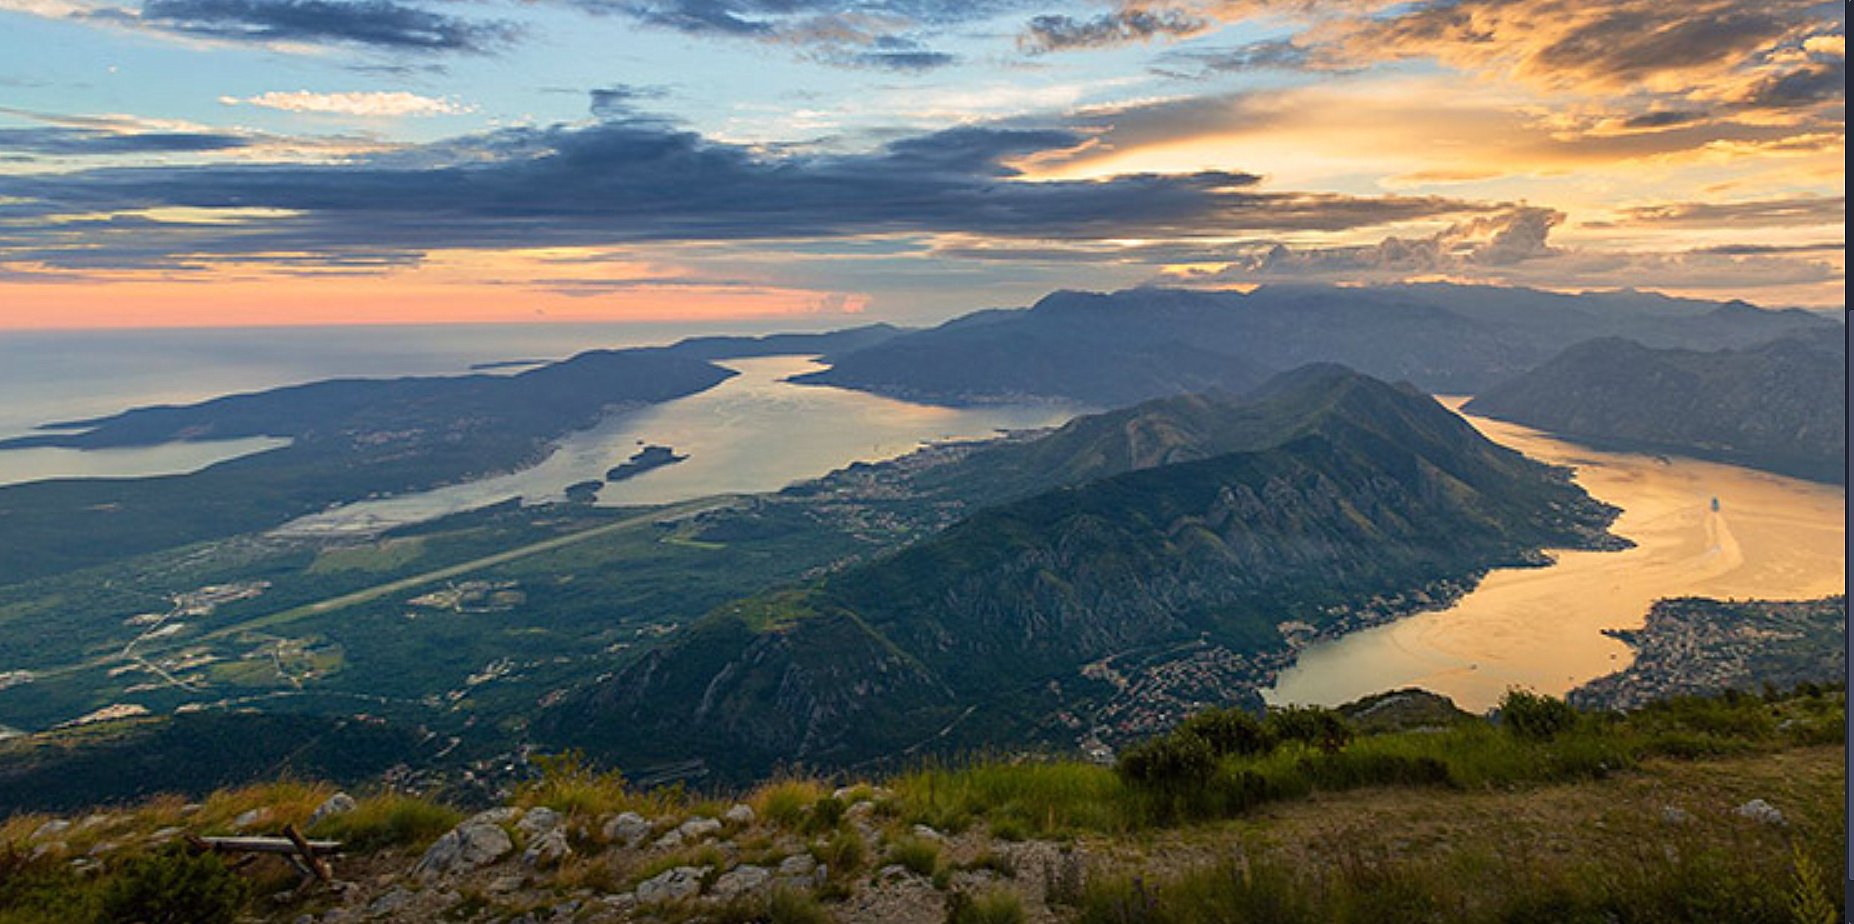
(55, 376)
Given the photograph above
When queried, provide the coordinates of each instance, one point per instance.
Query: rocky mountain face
(1121, 348)
(1206, 522)
(1780, 406)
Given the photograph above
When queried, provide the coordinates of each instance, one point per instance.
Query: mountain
(350, 438)
(1194, 531)
(1121, 348)
(734, 347)
(1779, 406)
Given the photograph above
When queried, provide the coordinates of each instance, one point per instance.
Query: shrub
(782, 906)
(997, 906)
(918, 855)
(1314, 726)
(826, 815)
(1535, 716)
(173, 887)
(570, 785)
(389, 820)
(1229, 731)
(783, 802)
(1172, 764)
(844, 853)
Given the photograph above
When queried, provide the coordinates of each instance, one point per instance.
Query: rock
(538, 821)
(739, 815)
(740, 880)
(622, 903)
(495, 816)
(503, 885)
(52, 828)
(672, 885)
(894, 872)
(628, 829)
(1675, 815)
(697, 828)
(471, 845)
(798, 865)
(925, 833)
(669, 841)
(247, 819)
(100, 819)
(163, 835)
(548, 850)
(392, 901)
(1761, 812)
(338, 804)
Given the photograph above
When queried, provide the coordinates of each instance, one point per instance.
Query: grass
(1067, 798)
(915, 854)
(993, 907)
(389, 820)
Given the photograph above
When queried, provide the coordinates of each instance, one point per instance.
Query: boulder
(338, 804)
(697, 828)
(739, 815)
(1761, 812)
(52, 828)
(672, 885)
(248, 819)
(538, 821)
(548, 849)
(628, 829)
(469, 846)
(740, 880)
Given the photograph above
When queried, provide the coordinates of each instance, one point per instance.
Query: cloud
(1762, 213)
(1512, 248)
(396, 104)
(625, 182)
(1121, 27)
(62, 141)
(887, 35)
(380, 24)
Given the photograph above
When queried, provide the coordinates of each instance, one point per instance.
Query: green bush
(918, 855)
(1229, 731)
(389, 821)
(997, 906)
(1314, 726)
(173, 887)
(1172, 764)
(1535, 716)
(826, 814)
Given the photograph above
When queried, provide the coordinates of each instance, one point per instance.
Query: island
(646, 459)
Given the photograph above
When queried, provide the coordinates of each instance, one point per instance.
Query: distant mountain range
(1779, 406)
(1117, 349)
(1210, 524)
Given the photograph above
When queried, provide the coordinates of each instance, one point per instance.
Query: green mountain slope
(1779, 406)
(1204, 522)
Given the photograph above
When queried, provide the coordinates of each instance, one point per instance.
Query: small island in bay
(646, 459)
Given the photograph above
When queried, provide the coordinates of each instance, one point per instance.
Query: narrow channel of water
(1770, 538)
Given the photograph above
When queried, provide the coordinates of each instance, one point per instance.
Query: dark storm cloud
(382, 24)
(81, 142)
(622, 182)
(1121, 27)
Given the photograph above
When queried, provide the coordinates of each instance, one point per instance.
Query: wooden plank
(266, 845)
(306, 850)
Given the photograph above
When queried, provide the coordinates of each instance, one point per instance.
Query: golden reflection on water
(1770, 538)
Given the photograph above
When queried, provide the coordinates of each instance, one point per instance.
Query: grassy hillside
(1692, 810)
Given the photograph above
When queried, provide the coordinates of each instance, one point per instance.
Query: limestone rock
(672, 885)
(471, 845)
(627, 829)
(338, 804)
(741, 880)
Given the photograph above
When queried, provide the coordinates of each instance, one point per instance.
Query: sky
(232, 162)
